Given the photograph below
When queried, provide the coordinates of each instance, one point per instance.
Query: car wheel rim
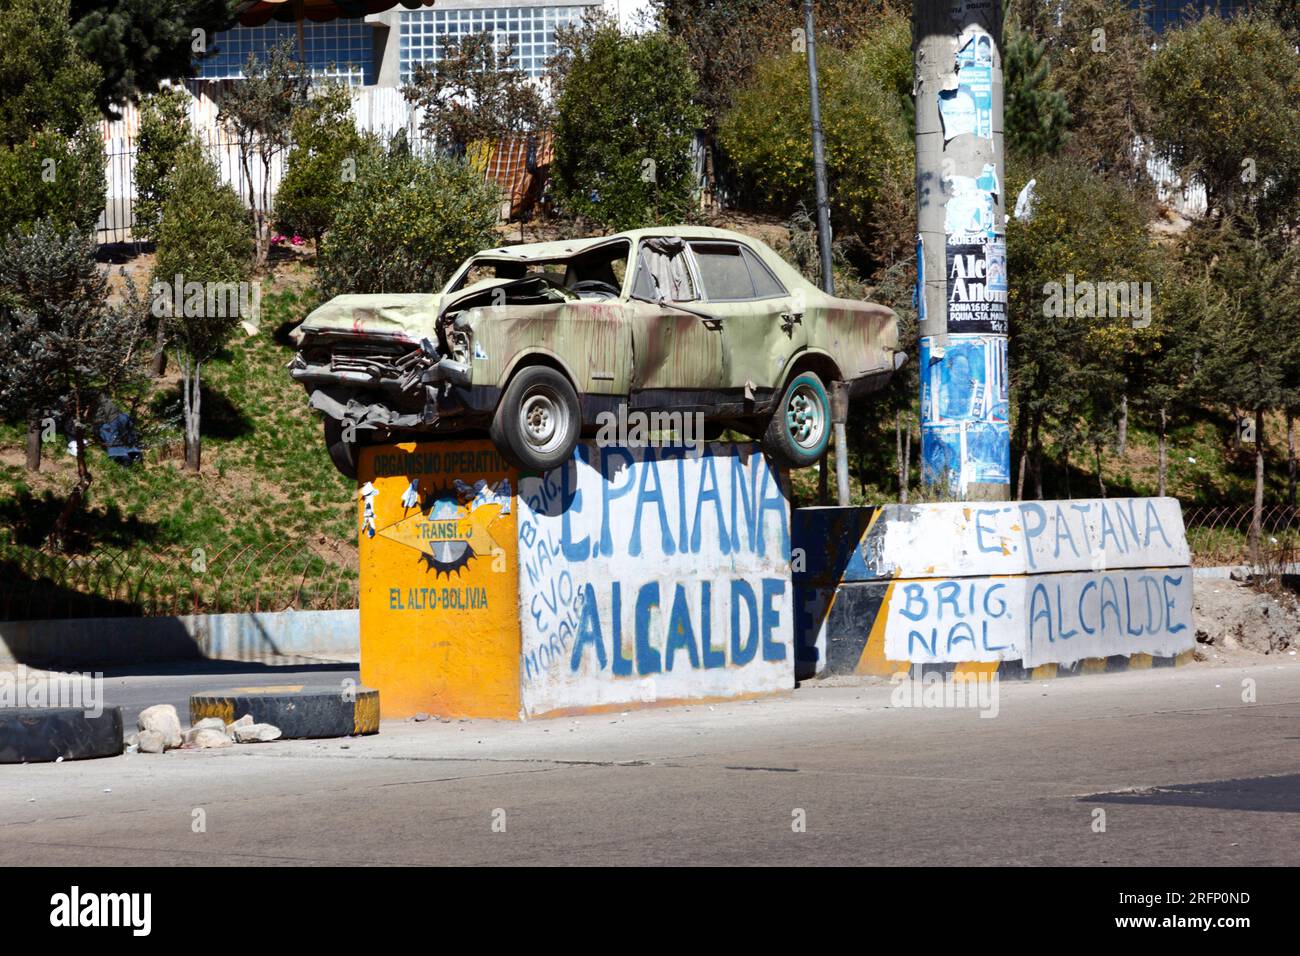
(805, 417)
(543, 420)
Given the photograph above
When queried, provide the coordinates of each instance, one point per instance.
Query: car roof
(565, 248)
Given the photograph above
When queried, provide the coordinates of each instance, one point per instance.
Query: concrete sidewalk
(875, 784)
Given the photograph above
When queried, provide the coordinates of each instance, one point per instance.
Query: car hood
(402, 315)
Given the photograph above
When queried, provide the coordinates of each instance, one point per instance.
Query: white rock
(256, 733)
(162, 719)
(210, 723)
(245, 721)
(205, 738)
(150, 742)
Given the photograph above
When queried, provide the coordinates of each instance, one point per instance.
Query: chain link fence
(1220, 535)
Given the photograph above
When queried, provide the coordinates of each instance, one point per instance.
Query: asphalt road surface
(1184, 770)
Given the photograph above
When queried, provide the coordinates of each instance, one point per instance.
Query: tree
(473, 92)
(1252, 351)
(1036, 114)
(166, 136)
(322, 165)
(1224, 95)
(202, 263)
(259, 112)
(625, 120)
(866, 118)
(1069, 345)
(406, 224)
(62, 346)
(1097, 54)
(139, 43)
(1169, 380)
(51, 156)
(165, 133)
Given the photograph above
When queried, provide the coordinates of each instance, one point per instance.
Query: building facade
(383, 49)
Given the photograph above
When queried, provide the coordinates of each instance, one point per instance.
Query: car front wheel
(538, 420)
(800, 427)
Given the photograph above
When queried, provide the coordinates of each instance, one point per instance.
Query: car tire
(538, 420)
(800, 427)
(344, 454)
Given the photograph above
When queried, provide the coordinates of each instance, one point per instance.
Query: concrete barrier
(629, 577)
(272, 637)
(1023, 588)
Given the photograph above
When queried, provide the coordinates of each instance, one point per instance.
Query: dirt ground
(1236, 621)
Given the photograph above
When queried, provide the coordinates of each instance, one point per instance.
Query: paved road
(1185, 771)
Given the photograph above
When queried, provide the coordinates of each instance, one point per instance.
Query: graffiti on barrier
(652, 574)
(1041, 619)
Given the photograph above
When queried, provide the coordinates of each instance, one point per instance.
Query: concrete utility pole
(840, 406)
(961, 247)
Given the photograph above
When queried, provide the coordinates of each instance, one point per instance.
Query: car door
(761, 322)
(677, 356)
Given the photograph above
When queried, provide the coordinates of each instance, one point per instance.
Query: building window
(1163, 14)
(529, 30)
(340, 49)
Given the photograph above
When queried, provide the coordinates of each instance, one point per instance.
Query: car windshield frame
(459, 281)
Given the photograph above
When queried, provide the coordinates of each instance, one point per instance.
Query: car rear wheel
(343, 454)
(538, 420)
(800, 427)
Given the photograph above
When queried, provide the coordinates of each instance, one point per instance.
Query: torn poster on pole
(967, 106)
(965, 411)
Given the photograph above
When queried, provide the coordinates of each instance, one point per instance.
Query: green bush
(52, 177)
(405, 224)
(165, 132)
(1224, 95)
(626, 116)
(51, 156)
(866, 115)
(203, 238)
(204, 232)
(322, 164)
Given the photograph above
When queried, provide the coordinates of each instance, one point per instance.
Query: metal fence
(36, 584)
(118, 216)
(1220, 535)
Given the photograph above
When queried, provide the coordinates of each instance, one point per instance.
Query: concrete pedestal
(631, 576)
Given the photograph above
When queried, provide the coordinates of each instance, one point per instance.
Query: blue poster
(965, 436)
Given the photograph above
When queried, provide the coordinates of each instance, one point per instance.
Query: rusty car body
(685, 319)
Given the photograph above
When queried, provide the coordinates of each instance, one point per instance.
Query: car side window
(766, 285)
(723, 272)
(732, 273)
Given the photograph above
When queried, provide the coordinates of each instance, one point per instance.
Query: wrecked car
(534, 342)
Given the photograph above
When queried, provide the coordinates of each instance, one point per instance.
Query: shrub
(322, 164)
(51, 156)
(625, 119)
(1223, 94)
(865, 119)
(164, 133)
(203, 238)
(405, 224)
(62, 346)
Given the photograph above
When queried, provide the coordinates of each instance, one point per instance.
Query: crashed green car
(534, 342)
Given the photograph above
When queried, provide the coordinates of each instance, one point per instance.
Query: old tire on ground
(538, 420)
(343, 454)
(44, 734)
(800, 427)
(299, 712)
